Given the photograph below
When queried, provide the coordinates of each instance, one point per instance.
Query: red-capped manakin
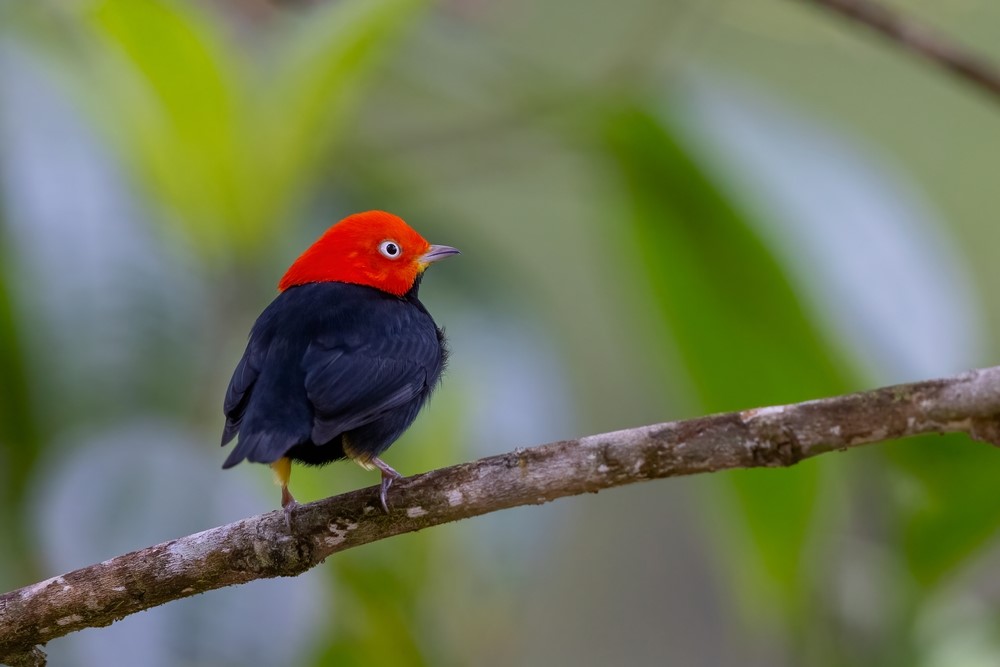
(340, 363)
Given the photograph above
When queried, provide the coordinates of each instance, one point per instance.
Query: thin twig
(262, 546)
(921, 40)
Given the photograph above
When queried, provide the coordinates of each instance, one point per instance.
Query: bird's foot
(290, 514)
(389, 475)
(289, 504)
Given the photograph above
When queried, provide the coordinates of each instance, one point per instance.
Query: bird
(342, 360)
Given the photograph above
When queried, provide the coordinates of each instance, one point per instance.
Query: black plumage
(332, 370)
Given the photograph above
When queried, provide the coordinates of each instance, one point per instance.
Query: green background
(665, 208)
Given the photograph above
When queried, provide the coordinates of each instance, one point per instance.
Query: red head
(373, 248)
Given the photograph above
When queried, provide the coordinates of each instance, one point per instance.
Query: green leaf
(228, 138)
(20, 440)
(169, 92)
(379, 619)
(319, 75)
(948, 504)
(740, 329)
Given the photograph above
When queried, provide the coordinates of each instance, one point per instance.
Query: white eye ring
(390, 249)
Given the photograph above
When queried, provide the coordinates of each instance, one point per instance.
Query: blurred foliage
(746, 341)
(516, 129)
(226, 138)
(740, 329)
(947, 509)
(20, 441)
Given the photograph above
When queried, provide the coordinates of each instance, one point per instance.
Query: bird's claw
(289, 510)
(289, 505)
(386, 483)
(389, 475)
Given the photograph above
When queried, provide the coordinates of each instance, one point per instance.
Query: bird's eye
(390, 249)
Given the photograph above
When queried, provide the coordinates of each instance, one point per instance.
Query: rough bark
(262, 546)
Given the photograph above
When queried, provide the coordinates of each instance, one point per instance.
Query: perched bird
(340, 363)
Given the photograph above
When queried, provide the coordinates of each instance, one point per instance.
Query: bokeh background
(666, 208)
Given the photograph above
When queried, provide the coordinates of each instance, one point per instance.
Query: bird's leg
(388, 477)
(282, 472)
(287, 499)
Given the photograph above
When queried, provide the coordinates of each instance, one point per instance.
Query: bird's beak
(437, 252)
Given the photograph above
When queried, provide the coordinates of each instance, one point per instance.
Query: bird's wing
(241, 387)
(350, 386)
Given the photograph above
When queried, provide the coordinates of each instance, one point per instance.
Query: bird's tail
(261, 447)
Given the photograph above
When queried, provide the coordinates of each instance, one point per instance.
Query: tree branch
(921, 40)
(262, 546)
